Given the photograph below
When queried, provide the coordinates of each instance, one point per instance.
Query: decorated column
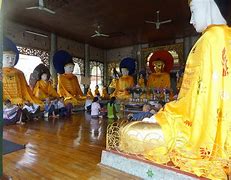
(86, 65)
(52, 52)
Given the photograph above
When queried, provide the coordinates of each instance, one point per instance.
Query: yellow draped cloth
(43, 89)
(69, 88)
(15, 87)
(123, 84)
(159, 80)
(197, 126)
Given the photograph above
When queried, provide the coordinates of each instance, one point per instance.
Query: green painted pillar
(1, 55)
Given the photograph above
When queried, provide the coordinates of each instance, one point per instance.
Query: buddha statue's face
(44, 77)
(69, 68)
(158, 66)
(9, 59)
(124, 71)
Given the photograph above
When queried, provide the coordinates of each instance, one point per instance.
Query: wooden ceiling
(123, 20)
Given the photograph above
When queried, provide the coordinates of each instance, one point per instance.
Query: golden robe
(159, 80)
(89, 93)
(69, 88)
(44, 89)
(197, 126)
(105, 94)
(123, 84)
(15, 87)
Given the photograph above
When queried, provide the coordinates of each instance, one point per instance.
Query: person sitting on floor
(112, 110)
(49, 109)
(31, 111)
(146, 113)
(11, 113)
(88, 103)
(62, 108)
(95, 108)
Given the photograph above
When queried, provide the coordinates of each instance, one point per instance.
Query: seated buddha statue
(89, 93)
(68, 84)
(105, 95)
(141, 82)
(193, 132)
(43, 87)
(97, 91)
(160, 64)
(126, 81)
(15, 87)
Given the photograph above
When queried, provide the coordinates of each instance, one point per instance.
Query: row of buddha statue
(160, 63)
(17, 90)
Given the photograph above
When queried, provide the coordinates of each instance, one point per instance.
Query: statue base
(137, 166)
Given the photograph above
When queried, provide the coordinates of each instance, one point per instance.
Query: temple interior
(81, 73)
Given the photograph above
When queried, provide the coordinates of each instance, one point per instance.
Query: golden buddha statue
(97, 91)
(160, 64)
(89, 93)
(105, 95)
(68, 84)
(141, 82)
(43, 88)
(126, 81)
(193, 132)
(15, 86)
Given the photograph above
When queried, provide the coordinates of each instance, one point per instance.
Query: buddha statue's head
(158, 66)
(124, 71)
(10, 53)
(127, 66)
(69, 68)
(44, 76)
(207, 12)
(9, 59)
(161, 61)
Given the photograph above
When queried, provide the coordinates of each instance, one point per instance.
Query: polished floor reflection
(59, 149)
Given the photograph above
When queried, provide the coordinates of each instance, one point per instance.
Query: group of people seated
(28, 111)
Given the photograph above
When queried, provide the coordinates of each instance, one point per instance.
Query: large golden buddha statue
(160, 64)
(68, 84)
(126, 81)
(193, 133)
(43, 87)
(15, 86)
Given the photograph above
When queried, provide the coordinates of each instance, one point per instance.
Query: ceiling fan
(158, 22)
(98, 33)
(41, 7)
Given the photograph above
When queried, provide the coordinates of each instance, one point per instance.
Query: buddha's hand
(150, 120)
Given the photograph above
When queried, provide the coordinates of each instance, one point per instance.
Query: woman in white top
(95, 107)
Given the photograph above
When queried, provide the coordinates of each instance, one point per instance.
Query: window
(96, 75)
(27, 64)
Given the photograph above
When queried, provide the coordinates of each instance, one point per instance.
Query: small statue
(105, 95)
(97, 90)
(89, 93)
(43, 87)
(160, 63)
